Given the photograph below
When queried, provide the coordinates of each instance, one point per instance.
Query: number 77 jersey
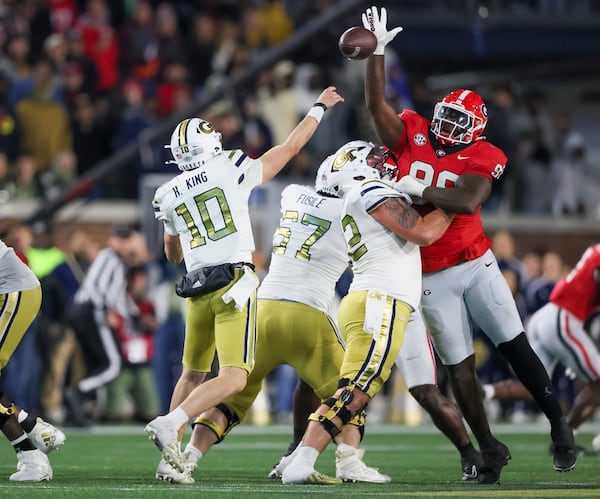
(309, 252)
(208, 209)
(421, 156)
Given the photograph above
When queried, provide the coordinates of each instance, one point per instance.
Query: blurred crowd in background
(79, 80)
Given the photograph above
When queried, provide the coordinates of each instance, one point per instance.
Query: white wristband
(317, 111)
(380, 49)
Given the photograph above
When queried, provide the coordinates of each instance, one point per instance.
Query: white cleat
(277, 471)
(306, 475)
(45, 436)
(164, 436)
(32, 466)
(167, 473)
(350, 467)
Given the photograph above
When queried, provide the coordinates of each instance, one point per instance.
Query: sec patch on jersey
(357, 43)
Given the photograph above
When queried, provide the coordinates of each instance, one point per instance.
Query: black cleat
(494, 459)
(470, 473)
(564, 449)
(579, 449)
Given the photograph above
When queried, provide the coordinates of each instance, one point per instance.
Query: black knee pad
(232, 421)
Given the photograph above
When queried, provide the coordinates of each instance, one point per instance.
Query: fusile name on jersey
(309, 200)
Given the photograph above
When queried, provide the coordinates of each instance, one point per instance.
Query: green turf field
(117, 462)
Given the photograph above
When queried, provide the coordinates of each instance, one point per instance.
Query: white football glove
(376, 22)
(403, 194)
(412, 186)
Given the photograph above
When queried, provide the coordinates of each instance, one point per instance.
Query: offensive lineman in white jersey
(204, 210)
(382, 233)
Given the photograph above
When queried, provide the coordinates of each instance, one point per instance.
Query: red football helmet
(459, 118)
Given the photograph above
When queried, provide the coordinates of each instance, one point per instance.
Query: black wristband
(320, 104)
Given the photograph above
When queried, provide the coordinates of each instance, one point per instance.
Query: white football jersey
(309, 253)
(381, 260)
(208, 208)
(14, 274)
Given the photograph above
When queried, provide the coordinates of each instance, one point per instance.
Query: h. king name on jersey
(194, 181)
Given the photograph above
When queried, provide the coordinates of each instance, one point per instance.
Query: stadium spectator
(134, 323)
(503, 246)
(202, 47)
(279, 105)
(43, 109)
(537, 291)
(26, 182)
(80, 61)
(171, 42)
(172, 87)
(533, 126)
(7, 186)
(100, 42)
(91, 136)
(141, 59)
(9, 131)
(16, 65)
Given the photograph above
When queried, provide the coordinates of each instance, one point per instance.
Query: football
(357, 43)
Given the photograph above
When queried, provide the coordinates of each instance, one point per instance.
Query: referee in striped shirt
(102, 288)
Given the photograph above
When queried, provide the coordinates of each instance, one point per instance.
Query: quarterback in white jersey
(382, 232)
(204, 211)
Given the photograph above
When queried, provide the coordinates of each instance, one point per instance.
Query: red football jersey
(420, 155)
(578, 292)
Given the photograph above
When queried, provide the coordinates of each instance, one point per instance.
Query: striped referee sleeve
(105, 280)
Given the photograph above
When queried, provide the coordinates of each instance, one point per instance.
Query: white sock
(488, 392)
(22, 416)
(194, 451)
(345, 447)
(307, 455)
(178, 416)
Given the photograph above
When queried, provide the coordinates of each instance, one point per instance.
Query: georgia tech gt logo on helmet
(342, 157)
(205, 127)
(193, 142)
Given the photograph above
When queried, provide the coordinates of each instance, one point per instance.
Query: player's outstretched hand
(411, 186)
(330, 97)
(376, 22)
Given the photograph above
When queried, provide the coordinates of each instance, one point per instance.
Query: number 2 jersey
(381, 260)
(421, 156)
(208, 208)
(309, 253)
(578, 292)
